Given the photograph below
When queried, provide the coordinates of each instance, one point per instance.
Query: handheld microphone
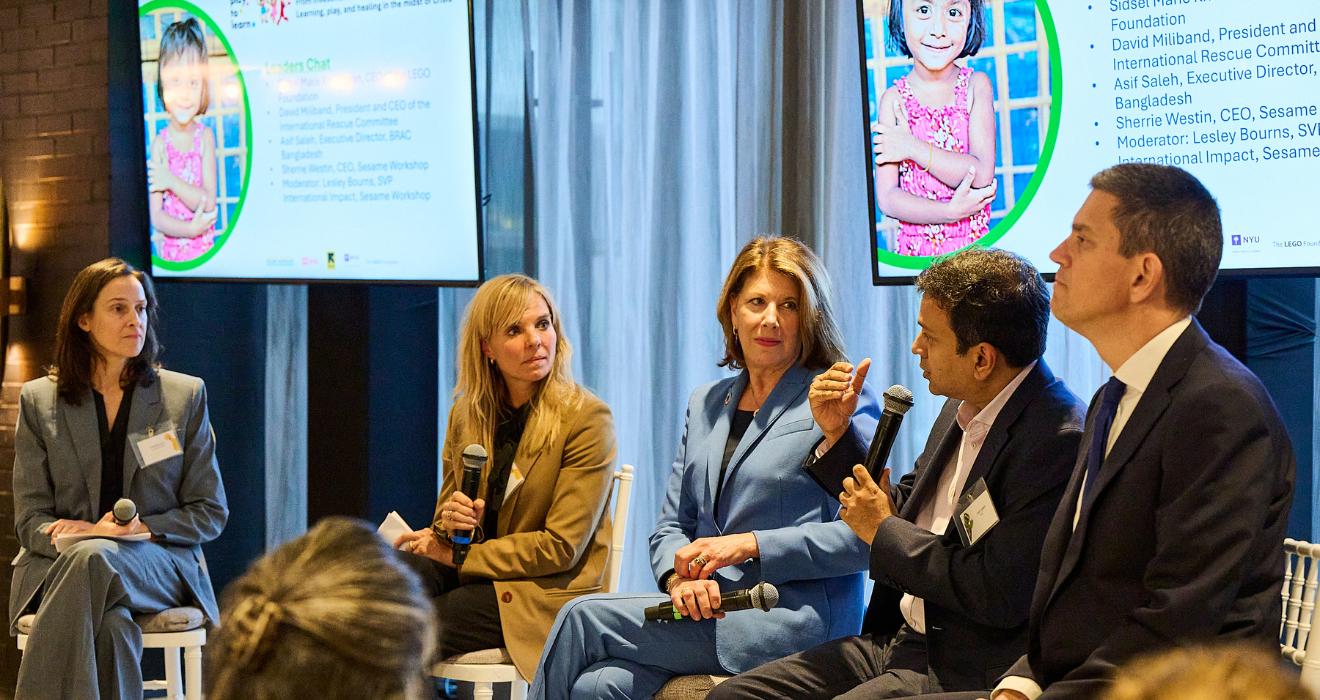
(124, 511)
(762, 596)
(474, 458)
(897, 402)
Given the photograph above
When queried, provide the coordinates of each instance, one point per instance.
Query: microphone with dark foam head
(474, 458)
(762, 596)
(124, 511)
(897, 402)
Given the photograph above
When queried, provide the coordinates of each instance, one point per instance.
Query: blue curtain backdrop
(658, 137)
(666, 135)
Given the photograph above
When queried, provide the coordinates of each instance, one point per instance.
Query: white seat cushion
(485, 656)
(170, 620)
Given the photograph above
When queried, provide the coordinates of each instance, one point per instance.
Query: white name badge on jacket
(976, 514)
(159, 447)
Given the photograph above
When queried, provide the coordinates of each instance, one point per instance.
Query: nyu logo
(1237, 240)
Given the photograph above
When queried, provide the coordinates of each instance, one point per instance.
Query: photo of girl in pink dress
(181, 172)
(934, 136)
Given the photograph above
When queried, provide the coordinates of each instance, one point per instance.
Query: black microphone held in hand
(762, 596)
(124, 511)
(474, 458)
(897, 402)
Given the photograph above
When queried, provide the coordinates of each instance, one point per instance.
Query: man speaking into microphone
(955, 545)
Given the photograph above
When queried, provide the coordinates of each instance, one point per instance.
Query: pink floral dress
(946, 128)
(186, 167)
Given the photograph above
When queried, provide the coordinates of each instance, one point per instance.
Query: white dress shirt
(936, 512)
(1135, 373)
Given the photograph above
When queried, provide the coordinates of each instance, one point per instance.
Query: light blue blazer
(57, 474)
(806, 552)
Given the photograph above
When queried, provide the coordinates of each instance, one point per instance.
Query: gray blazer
(57, 474)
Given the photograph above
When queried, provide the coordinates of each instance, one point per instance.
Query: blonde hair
(332, 614)
(822, 343)
(1220, 673)
(481, 390)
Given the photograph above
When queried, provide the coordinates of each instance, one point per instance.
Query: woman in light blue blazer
(739, 508)
(108, 424)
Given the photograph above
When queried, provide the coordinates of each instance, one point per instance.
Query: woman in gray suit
(108, 423)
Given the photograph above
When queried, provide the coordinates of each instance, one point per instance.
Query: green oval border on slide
(913, 262)
(220, 240)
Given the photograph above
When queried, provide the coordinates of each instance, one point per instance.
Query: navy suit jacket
(1182, 543)
(813, 558)
(977, 598)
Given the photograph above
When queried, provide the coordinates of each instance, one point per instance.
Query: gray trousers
(84, 643)
(849, 668)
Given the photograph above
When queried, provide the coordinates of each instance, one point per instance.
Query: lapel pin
(727, 398)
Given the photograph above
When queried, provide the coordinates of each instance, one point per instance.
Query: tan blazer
(553, 540)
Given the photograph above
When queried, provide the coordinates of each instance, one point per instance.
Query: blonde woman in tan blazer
(541, 530)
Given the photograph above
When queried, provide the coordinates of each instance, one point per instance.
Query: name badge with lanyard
(975, 514)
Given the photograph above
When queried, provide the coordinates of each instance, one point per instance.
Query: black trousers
(851, 668)
(468, 614)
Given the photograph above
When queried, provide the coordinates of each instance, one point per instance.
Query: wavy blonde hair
(822, 342)
(481, 390)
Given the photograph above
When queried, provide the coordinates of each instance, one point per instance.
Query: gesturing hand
(695, 599)
(705, 556)
(833, 397)
(865, 503)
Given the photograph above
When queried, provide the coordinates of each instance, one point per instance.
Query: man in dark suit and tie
(1171, 530)
(949, 610)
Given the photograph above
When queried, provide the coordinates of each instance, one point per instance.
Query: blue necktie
(1100, 437)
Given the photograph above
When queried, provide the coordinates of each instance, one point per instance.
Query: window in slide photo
(1012, 48)
(197, 133)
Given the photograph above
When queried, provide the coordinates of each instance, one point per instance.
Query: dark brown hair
(76, 356)
(975, 28)
(822, 343)
(1166, 211)
(992, 296)
(184, 41)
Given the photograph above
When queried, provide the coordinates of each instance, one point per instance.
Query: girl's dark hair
(975, 28)
(183, 40)
(76, 356)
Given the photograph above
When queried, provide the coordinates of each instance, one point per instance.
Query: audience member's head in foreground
(328, 615)
(1206, 673)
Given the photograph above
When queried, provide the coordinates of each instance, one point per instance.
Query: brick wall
(55, 168)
